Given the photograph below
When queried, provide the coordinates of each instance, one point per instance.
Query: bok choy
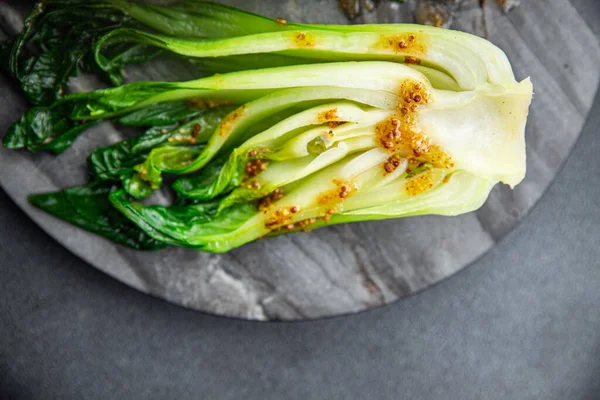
(303, 126)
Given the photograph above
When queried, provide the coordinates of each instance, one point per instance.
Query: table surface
(521, 323)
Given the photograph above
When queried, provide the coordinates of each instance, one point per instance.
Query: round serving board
(352, 267)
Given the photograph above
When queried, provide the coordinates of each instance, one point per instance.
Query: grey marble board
(345, 268)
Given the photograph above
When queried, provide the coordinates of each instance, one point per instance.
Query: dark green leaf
(89, 208)
(203, 19)
(113, 101)
(117, 161)
(137, 187)
(216, 178)
(57, 42)
(113, 60)
(194, 226)
(44, 129)
(160, 114)
(167, 159)
(146, 152)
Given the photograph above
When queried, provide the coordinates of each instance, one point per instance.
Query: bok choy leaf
(89, 208)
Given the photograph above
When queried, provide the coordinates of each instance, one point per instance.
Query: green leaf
(198, 226)
(184, 19)
(192, 18)
(160, 114)
(89, 208)
(44, 129)
(216, 178)
(161, 159)
(117, 161)
(136, 186)
(140, 161)
(57, 42)
(114, 59)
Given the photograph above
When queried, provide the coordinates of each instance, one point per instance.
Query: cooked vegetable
(159, 148)
(58, 38)
(454, 60)
(57, 42)
(59, 35)
(265, 151)
(90, 208)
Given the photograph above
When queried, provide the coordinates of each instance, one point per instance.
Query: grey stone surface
(352, 267)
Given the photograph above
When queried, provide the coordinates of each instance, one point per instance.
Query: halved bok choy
(315, 145)
(316, 125)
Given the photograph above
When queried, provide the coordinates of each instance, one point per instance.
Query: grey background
(349, 267)
(523, 322)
